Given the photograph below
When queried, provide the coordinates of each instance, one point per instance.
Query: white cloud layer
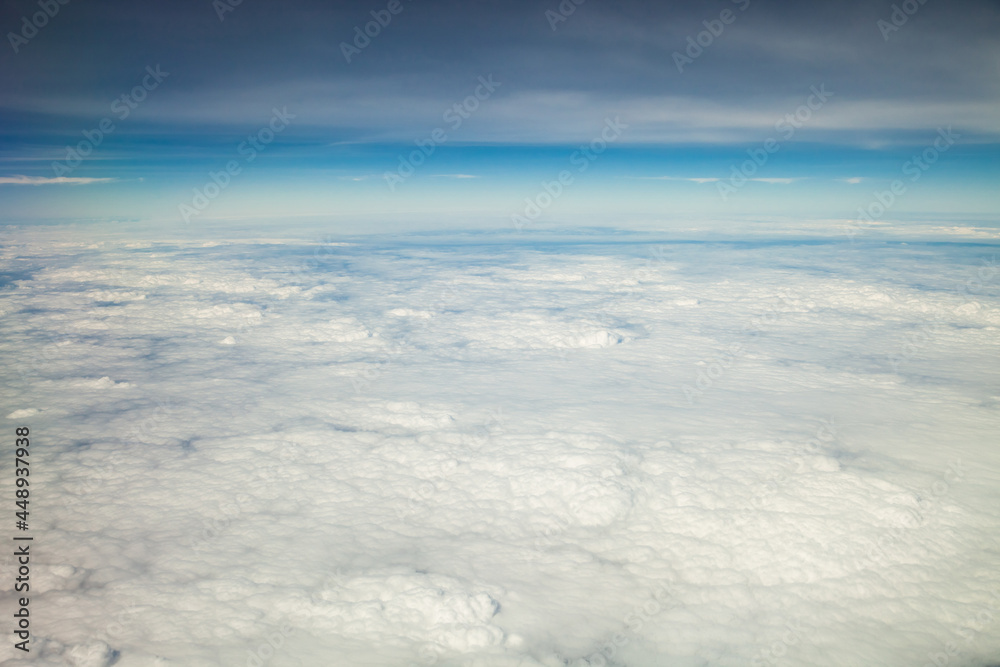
(515, 454)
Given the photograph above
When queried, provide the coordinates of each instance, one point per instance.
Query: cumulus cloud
(419, 450)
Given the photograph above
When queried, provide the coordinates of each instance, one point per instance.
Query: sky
(690, 89)
(501, 334)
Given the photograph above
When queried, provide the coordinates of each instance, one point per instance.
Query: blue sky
(506, 94)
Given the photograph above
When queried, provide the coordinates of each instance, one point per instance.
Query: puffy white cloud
(732, 452)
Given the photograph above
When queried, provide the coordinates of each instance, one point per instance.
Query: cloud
(372, 111)
(711, 179)
(741, 89)
(483, 449)
(42, 180)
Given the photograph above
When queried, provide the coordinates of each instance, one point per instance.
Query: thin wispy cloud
(59, 180)
(677, 178)
(711, 179)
